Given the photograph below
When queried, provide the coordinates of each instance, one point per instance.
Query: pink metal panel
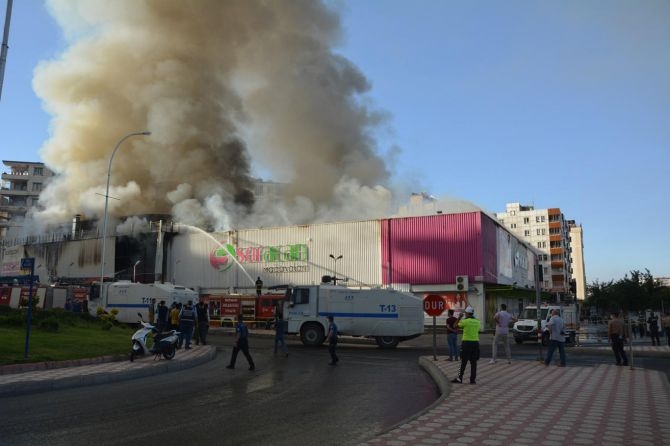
(435, 249)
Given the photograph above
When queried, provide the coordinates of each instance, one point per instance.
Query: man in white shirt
(502, 319)
(556, 327)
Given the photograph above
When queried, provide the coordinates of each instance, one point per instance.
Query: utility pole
(5, 44)
(538, 284)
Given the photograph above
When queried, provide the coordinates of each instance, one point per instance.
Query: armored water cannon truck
(387, 315)
(129, 298)
(525, 328)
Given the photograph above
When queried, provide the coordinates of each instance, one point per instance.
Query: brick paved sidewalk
(528, 403)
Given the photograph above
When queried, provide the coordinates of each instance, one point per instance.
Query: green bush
(15, 319)
(48, 324)
(106, 325)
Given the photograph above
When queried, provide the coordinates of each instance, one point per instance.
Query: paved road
(294, 401)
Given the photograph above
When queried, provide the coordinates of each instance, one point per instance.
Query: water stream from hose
(230, 254)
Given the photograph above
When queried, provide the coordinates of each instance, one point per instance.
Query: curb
(102, 375)
(442, 382)
(11, 369)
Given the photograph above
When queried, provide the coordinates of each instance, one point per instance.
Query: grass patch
(58, 336)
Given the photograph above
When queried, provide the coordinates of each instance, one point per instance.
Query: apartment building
(577, 255)
(22, 183)
(548, 232)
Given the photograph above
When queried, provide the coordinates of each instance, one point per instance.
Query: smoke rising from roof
(225, 87)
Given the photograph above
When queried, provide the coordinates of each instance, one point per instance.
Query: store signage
(224, 257)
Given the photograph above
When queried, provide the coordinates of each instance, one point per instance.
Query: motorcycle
(163, 343)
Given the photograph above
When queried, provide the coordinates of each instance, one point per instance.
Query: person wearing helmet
(469, 344)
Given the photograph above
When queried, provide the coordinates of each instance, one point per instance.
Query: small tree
(107, 316)
(23, 301)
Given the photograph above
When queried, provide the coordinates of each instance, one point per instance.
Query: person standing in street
(162, 316)
(187, 322)
(452, 335)
(279, 332)
(202, 315)
(666, 326)
(641, 327)
(502, 319)
(556, 328)
(469, 344)
(152, 310)
(653, 330)
(173, 317)
(331, 339)
(241, 343)
(616, 332)
(259, 286)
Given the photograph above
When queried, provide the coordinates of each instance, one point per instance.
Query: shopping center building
(468, 258)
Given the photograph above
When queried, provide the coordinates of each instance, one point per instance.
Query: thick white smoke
(225, 87)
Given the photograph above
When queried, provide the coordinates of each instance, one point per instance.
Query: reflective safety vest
(187, 314)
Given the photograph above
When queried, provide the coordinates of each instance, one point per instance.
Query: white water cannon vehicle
(130, 297)
(387, 315)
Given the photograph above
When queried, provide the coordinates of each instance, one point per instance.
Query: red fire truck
(257, 311)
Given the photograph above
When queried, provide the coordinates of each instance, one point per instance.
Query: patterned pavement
(528, 403)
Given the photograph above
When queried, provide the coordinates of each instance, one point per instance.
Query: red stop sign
(434, 305)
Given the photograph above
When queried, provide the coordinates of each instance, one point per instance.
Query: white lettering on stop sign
(434, 305)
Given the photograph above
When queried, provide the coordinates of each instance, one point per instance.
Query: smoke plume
(228, 89)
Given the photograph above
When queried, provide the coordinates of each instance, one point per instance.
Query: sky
(550, 104)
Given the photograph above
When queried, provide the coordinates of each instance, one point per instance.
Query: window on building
(38, 171)
(537, 219)
(513, 226)
(526, 233)
(544, 231)
(539, 244)
(526, 220)
(37, 186)
(542, 219)
(537, 231)
(544, 244)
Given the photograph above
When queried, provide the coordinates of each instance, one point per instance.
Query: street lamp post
(104, 218)
(335, 259)
(135, 269)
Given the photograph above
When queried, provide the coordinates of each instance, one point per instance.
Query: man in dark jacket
(331, 340)
(187, 321)
(241, 343)
(162, 316)
(202, 313)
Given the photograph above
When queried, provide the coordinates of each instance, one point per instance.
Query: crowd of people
(192, 323)
(469, 326)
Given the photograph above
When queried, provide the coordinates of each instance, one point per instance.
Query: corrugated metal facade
(435, 249)
(296, 254)
(489, 266)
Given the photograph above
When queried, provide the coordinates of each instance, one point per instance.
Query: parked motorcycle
(163, 343)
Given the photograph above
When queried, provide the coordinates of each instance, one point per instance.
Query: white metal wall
(189, 259)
